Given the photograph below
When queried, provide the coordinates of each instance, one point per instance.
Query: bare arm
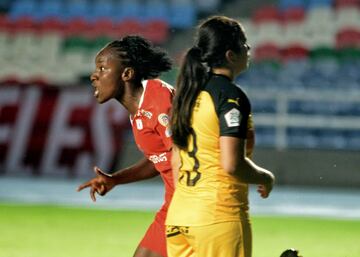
(143, 169)
(103, 182)
(234, 161)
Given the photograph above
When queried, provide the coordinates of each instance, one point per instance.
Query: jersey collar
(144, 84)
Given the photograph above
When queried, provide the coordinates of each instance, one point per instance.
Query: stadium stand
(301, 49)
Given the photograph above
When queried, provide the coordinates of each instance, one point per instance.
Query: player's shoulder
(158, 95)
(223, 90)
(158, 86)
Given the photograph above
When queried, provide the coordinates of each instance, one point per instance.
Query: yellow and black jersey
(206, 194)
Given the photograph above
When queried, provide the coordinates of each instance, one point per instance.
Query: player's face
(242, 57)
(106, 78)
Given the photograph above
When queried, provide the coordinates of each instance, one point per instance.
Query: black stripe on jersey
(192, 154)
(231, 105)
(173, 234)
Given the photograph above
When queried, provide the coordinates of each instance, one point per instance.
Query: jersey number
(193, 176)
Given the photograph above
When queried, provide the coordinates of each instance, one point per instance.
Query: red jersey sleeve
(163, 115)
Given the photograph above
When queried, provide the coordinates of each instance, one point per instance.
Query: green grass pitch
(51, 231)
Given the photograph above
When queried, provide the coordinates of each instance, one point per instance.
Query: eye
(101, 68)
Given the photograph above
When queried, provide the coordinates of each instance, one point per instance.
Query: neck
(131, 97)
(224, 71)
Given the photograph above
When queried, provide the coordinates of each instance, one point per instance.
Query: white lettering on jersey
(147, 114)
(158, 158)
(233, 118)
(139, 124)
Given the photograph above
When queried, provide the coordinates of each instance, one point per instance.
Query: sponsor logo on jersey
(158, 158)
(233, 118)
(163, 119)
(147, 114)
(139, 124)
(235, 101)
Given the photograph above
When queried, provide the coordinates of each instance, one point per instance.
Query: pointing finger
(82, 186)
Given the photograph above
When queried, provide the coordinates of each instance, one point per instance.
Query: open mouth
(96, 91)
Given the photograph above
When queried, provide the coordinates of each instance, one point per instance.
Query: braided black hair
(147, 60)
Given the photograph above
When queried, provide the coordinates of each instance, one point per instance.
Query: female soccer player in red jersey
(126, 70)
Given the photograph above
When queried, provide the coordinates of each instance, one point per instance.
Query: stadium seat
(347, 3)
(251, 31)
(51, 25)
(269, 33)
(294, 34)
(101, 27)
(290, 4)
(49, 45)
(265, 136)
(49, 9)
(319, 3)
(208, 6)
(294, 52)
(76, 9)
(102, 9)
(128, 27)
(331, 139)
(291, 74)
(4, 46)
(4, 22)
(347, 17)
(267, 51)
(293, 15)
(352, 140)
(182, 14)
(76, 43)
(319, 18)
(263, 75)
(318, 35)
(156, 30)
(97, 43)
(5, 6)
(350, 54)
(263, 106)
(24, 23)
(348, 38)
(128, 10)
(302, 138)
(266, 14)
(22, 8)
(76, 26)
(156, 10)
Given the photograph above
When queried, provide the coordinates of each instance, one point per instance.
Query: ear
(128, 74)
(230, 56)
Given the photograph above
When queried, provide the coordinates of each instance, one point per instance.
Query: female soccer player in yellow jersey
(211, 121)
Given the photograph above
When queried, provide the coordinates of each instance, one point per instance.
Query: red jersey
(151, 128)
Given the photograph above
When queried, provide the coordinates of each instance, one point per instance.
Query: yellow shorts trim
(221, 240)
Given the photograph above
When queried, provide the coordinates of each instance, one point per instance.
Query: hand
(265, 189)
(101, 184)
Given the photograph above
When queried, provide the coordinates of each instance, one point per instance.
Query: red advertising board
(58, 130)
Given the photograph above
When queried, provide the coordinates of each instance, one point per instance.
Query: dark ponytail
(190, 81)
(215, 36)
